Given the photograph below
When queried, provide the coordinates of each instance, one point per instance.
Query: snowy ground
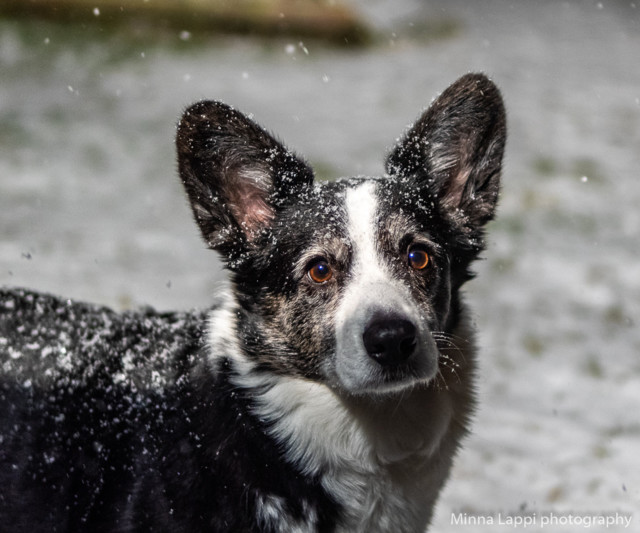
(90, 206)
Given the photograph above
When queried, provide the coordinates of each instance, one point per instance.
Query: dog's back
(84, 395)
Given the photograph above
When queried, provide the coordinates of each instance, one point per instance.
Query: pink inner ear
(248, 202)
(257, 215)
(455, 187)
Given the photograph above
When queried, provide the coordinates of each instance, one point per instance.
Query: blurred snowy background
(91, 208)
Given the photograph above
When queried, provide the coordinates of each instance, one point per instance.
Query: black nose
(390, 340)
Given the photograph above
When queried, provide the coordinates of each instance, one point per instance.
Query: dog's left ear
(455, 150)
(235, 173)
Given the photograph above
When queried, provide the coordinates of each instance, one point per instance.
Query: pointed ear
(455, 149)
(236, 175)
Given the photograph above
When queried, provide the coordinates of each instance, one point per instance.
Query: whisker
(441, 381)
(447, 346)
(446, 341)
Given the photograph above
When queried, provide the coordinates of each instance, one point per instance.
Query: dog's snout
(390, 340)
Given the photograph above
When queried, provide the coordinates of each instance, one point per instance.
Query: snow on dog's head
(350, 283)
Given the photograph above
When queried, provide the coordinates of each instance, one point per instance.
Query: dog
(328, 389)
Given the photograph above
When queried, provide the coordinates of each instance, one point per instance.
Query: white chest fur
(380, 459)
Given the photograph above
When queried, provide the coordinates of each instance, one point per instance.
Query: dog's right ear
(235, 173)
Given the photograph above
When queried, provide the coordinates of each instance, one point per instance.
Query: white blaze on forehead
(361, 205)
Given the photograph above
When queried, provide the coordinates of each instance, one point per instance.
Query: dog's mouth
(387, 380)
(394, 380)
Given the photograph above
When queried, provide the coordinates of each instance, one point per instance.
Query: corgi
(327, 390)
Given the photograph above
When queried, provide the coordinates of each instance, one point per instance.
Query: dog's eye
(320, 272)
(418, 259)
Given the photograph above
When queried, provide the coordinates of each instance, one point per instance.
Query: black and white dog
(328, 391)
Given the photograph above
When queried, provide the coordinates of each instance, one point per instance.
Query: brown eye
(320, 272)
(418, 258)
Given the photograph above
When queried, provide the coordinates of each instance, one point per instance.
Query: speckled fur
(265, 413)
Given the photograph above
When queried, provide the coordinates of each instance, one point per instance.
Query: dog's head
(351, 283)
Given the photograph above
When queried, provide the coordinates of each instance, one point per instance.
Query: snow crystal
(13, 353)
(49, 458)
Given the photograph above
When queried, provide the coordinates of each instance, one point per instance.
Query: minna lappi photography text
(543, 519)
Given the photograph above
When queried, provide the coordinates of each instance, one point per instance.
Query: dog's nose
(390, 340)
